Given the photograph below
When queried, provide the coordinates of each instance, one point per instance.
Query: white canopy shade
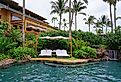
(36, 28)
(52, 38)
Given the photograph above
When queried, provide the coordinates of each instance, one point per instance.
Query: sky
(96, 8)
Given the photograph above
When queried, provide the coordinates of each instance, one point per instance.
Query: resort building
(12, 13)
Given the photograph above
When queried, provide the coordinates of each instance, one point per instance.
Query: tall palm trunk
(115, 16)
(106, 29)
(71, 19)
(102, 29)
(60, 21)
(111, 19)
(23, 28)
(89, 27)
(54, 23)
(96, 30)
(76, 21)
(64, 28)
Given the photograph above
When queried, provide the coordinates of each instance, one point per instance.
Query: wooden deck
(60, 60)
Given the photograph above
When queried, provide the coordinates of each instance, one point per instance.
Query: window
(15, 18)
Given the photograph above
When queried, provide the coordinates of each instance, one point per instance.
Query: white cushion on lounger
(62, 53)
(46, 53)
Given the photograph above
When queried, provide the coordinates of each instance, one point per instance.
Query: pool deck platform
(61, 60)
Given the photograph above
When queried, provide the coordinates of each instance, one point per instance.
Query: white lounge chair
(46, 53)
(61, 53)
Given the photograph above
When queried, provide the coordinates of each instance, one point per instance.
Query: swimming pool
(109, 71)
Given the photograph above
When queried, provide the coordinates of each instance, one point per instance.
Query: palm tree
(102, 21)
(98, 25)
(108, 24)
(89, 21)
(77, 7)
(59, 8)
(111, 2)
(54, 19)
(105, 22)
(64, 24)
(114, 4)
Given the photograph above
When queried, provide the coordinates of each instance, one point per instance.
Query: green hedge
(22, 52)
(3, 56)
(85, 52)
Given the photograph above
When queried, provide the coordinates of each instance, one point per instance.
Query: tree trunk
(54, 23)
(111, 19)
(106, 29)
(89, 27)
(64, 28)
(60, 21)
(115, 16)
(96, 30)
(102, 29)
(70, 34)
(23, 28)
(72, 19)
(76, 21)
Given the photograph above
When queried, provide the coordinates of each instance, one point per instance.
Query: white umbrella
(60, 37)
(46, 37)
(56, 37)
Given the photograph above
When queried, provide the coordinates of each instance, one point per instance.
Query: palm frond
(82, 13)
(85, 19)
(81, 8)
(86, 1)
(54, 11)
(118, 18)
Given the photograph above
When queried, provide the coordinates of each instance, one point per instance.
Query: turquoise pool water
(38, 72)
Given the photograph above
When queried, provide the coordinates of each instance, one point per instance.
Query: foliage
(92, 38)
(6, 44)
(77, 44)
(10, 42)
(3, 56)
(59, 8)
(21, 53)
(4, 26)
(113, 40)
(78, 7)
(81, 49)
(85, 52)
(54, 19)
(79, 54)
(15, 35)
(30, 40)
(91, 52)
(89, 21)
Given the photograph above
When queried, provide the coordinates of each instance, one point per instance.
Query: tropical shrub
(30, 40)
(77, 44)
(91, 52)
(92, 38)
(113, 40)
(6, 44)
(4, 26)
(3, 56)
(85, 52)
(79, 54)
(15, 35)
(21, 53)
